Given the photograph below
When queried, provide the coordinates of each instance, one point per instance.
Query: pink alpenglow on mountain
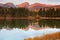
(38, 6)
(25, 4)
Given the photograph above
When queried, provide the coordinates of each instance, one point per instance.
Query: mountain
(7, 5)
(56, 6)
(34, 6)
(1, 5)
(37, 6)
(25, 4)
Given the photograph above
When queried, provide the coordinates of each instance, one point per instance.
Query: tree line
(23, 12)
(50, 12)
(13, 12)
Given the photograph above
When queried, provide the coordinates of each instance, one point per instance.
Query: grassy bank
(54, 36)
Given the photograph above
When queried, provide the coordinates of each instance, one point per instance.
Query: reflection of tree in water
(13, 23)
(1, 23)
(50, 23)
(23, 23)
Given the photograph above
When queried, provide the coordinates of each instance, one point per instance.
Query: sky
(57, 2)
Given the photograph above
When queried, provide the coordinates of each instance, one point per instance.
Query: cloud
(53, 1)
(32, 1)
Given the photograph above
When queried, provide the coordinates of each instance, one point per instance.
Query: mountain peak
(25, 4)
(8, 3)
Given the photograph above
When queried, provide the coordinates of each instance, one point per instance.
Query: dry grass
(28, 39)
(54, 36)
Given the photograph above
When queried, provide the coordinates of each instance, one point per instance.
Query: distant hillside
(7, 5)
(37, 6)
(34, 6)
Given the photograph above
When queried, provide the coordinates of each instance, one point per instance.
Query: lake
(13, 29)
(23, 23)
(19, 34)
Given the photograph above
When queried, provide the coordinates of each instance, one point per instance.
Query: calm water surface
(19, 34)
